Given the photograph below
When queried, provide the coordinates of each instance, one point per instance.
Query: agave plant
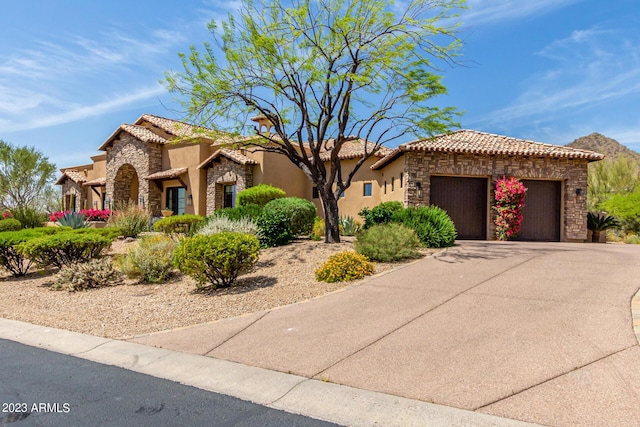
(73, 220)
(599, 222)
(348, 226)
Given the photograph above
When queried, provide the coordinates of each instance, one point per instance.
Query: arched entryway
(126, 186)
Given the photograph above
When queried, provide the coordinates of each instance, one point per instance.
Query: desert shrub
(251, 211)
(10, 224)
(178, 223)
(274, 229)
(217, 259)
(614, 236)
(348, 226)
(631, 239)
(11, 258)
(73, 220)
(260, 194)
(222, 224)
(109, 232)
(317, 233)
(151, 261)
(344, 266)
(380, 214)
(29, 217)
(131, 220)
(300, 212)
(64, 249)
(388, 242)
(96, 273)
(434, 227)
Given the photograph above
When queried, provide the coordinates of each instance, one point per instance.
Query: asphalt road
(43, 388)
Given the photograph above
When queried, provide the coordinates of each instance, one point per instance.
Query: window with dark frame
(392, 182)
(229, 194)
(367, 189)
(315, 193)
(401, 179)
(175, 199)
(385, 187)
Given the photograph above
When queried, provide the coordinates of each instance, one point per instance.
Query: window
(367, 189)
(315, 194)
(401, 179)
(175, 199)
(392, 183)
(385, 187)
(229, 200)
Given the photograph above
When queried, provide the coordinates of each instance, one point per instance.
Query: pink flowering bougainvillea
(89, 214)
(509, 197)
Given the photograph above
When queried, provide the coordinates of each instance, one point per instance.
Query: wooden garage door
(465, 199)
(541, 214)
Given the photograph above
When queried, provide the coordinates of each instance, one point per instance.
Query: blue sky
(72, 71)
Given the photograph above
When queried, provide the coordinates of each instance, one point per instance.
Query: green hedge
(217, 259)
(11, 258)
(64, 249)
(434, 227)
(301, 213)
(380, 214)
(10, 224)
(275, 229)
(259, 195)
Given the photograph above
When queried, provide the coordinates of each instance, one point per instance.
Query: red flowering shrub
(7, 214)
(96, 214)
(89, 215)
(509, 198)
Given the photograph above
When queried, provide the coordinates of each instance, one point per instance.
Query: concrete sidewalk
(529, 331)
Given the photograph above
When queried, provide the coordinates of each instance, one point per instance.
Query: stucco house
(161, 163)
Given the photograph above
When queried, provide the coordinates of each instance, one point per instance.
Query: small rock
(129, 240)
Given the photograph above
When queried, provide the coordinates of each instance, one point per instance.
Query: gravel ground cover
(284, 275)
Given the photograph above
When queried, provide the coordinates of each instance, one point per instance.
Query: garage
(541, 213)
(465, 200)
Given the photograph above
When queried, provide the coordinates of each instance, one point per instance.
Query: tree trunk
(331, 225)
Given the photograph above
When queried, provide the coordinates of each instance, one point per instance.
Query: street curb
(291, 393)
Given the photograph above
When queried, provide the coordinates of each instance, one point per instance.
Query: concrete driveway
(529, 331)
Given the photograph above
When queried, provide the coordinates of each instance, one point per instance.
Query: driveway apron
(531, 331)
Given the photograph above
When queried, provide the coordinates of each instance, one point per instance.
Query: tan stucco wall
(188, 155)
(277, 170)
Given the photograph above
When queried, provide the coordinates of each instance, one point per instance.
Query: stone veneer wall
(145, 159)
(226, 172)
(70, 187)
(419, 166)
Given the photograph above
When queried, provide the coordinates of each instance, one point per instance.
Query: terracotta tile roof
(73, 175)
(139, 132)
(98, 182)
(167, 174)
(474, 142)
(352, 150)
(175, 127)
(233, 155)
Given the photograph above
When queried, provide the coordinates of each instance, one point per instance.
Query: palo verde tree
(324, 73)
(25, 176)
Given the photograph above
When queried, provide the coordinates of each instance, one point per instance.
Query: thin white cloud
(76, 113)
(493, 11)
(589, 68)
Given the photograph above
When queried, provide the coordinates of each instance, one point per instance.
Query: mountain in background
(601, 144)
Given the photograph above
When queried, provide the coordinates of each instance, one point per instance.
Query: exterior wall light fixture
(578, 192)
(419, 189)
